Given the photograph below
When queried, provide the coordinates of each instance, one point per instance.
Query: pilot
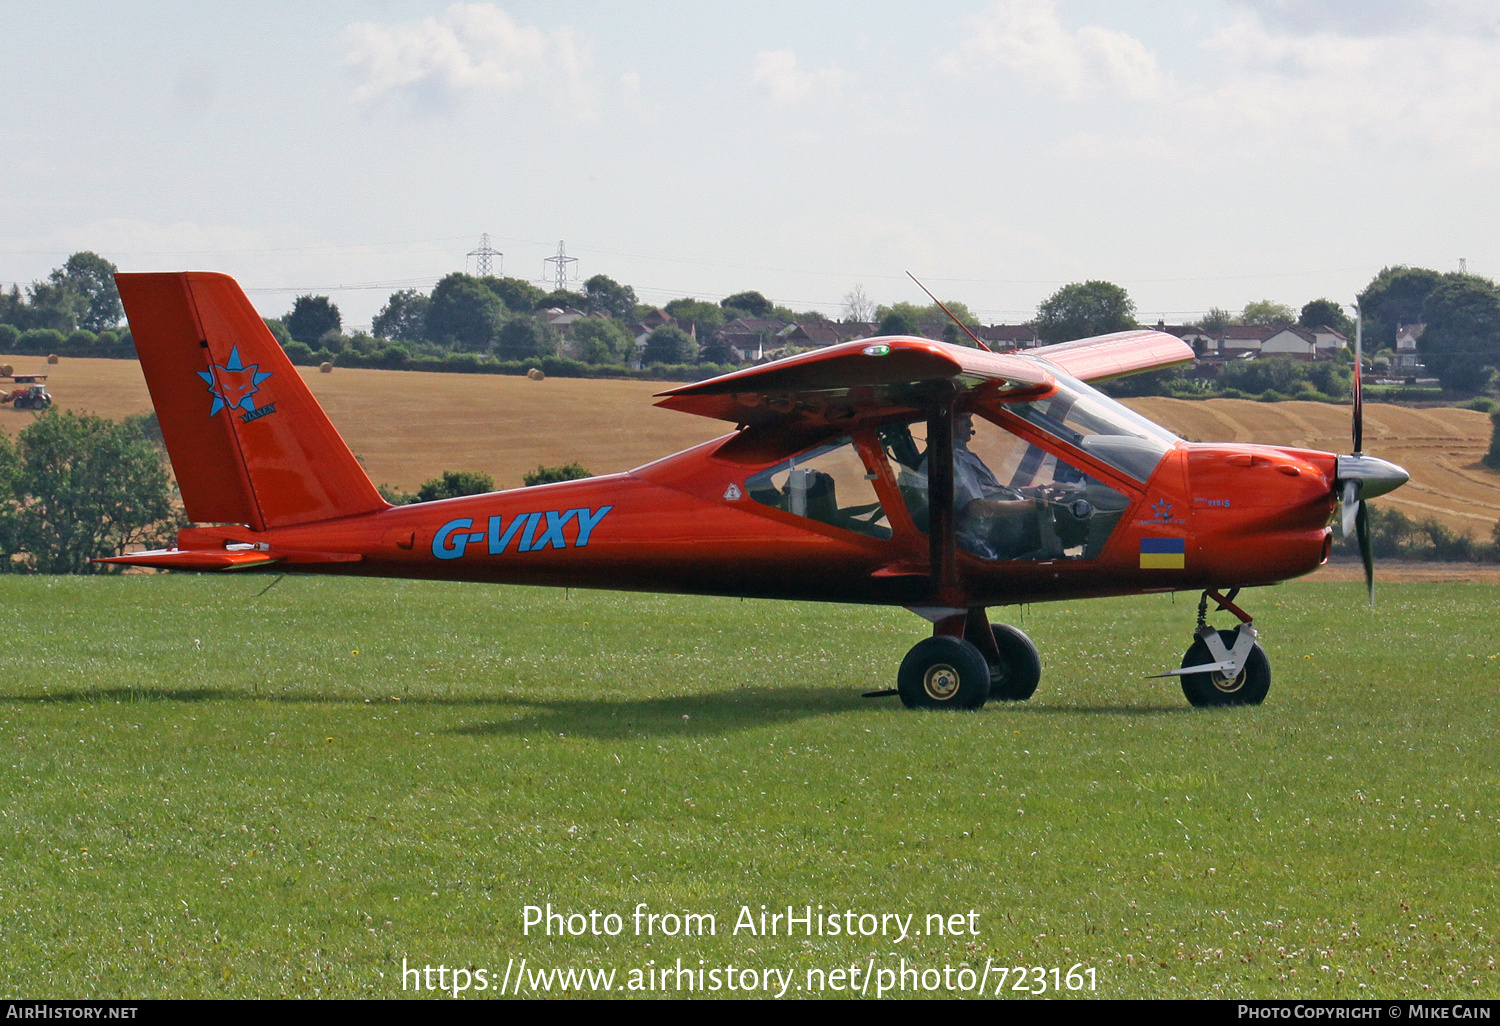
(972, 480)
(991, 520)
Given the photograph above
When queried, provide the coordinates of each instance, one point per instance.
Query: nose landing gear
(1224, 667)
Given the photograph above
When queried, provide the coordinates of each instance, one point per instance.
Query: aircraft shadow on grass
(702, 715)
(722, 712)
(97, 695)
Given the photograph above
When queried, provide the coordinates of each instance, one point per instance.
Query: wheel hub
(1228, 685)
(940, 682)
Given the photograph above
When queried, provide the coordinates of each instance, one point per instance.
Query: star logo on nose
(1163, 509)
(233, 385)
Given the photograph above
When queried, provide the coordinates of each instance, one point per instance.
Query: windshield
(1101, 427)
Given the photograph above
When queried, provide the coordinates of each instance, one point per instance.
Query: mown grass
(209, 793)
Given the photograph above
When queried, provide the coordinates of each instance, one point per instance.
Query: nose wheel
(1224, 667)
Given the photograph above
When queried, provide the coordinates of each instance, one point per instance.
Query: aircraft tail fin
(248, 442)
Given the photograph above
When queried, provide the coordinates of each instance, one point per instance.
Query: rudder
(248, 442)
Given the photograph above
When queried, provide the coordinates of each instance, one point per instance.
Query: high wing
(870, 373)
(858, 373)
(1113, 356)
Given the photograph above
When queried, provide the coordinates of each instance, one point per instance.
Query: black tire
(1206, 690)
(1015, 678)
(943, 673)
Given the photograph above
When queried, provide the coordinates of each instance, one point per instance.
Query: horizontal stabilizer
(227, 559)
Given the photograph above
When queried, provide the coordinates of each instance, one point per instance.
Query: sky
(1202, 153)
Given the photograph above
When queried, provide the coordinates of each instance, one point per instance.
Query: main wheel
(1214, 688)
(943, 673)
(1020, 667)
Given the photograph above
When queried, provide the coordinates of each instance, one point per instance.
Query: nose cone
(1373, 476)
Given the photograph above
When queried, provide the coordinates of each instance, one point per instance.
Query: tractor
(32, 397)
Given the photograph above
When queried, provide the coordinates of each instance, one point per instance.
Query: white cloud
(1415, 88)
(1027, 38)
(468, 49)
(1306, 78)
(776, 71)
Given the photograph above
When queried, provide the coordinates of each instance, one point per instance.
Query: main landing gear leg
(966, 662)
(1224, 667)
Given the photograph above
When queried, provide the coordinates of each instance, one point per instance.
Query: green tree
(1085, 309)
(602, 340)
(717, 350)
(463, 311)
(404, 317)
(1274, 373)
(608, 298)
(562, 299)
(92, 279)
(704, 317)
(1461, 343)
(53, 305)
(551, 475)
(669, 345)
(12, 307)
(746, 304)
(525, 338)
(1264, 311)
(1394, 297)
(518, 296)
(278, 331)
(1217, 319)
(454, 483)
(77, 487)
(897, 321)
(1326, 313)
(1491, 459)
(311, 318)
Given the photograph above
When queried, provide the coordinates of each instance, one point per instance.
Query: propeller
(1360, 477)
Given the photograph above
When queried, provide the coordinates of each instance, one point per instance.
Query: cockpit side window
(829, 484)
(1012, 500)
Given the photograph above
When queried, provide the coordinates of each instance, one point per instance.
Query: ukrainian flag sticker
(1163, 553)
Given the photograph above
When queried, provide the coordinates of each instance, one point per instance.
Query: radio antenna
(945, 310)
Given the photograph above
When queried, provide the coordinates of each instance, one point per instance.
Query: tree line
(472, 323)
(75, 308)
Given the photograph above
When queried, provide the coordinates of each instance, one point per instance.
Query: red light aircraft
(891, 471)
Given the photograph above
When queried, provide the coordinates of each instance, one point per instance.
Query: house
(1406, 345)
(1290, 340)
(1193, 335)
(1251, 340)
(1007, 336)
(562, 318)
(750, 337)
(1238, 340)
(823, 333)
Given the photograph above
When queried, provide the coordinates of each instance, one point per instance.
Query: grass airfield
(208, 793)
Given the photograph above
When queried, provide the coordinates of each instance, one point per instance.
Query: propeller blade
(1359, 411)
(1359, 377)
(1366, 551)
(1350, 507)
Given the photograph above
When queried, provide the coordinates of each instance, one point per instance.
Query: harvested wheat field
(409, 426)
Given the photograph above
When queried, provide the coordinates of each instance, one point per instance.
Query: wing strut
(944, 561)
